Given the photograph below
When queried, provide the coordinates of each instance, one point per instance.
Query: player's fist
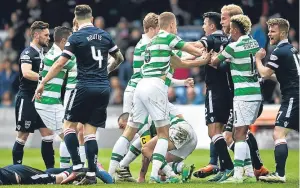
(260, 54)
(39, 91)
(189, 82)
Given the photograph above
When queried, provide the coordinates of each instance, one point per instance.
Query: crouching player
(182, 142)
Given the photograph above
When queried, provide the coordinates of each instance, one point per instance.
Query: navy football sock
(91, 150)
(281, 154)
(48, 151)
(72, 144)
(18, 151)
(256, 161)
(213, 154)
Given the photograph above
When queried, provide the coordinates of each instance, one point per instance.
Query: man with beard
(27, 118)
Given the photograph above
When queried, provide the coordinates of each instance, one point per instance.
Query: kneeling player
(146, 132)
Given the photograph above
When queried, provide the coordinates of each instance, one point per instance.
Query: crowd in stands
(123, 19)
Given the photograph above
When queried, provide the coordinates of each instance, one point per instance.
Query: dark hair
(61, 32)
(38, 26)
(83, 12)
(215, 18)
(124, 116)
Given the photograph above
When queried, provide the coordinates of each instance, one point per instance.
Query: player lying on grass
(182, 143)
(24, 175)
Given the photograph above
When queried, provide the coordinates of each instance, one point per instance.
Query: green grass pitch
(32, 157)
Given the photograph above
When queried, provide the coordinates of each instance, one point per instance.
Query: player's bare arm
(53, 71)
(189, 82)
(176, 62)
(118, 59)
(263, 71)
(191, 49)
(28, 73)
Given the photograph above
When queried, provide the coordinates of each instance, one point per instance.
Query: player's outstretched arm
(118, 59)
(191, 49)
(53, 71)
(263, 71)
(176, 62)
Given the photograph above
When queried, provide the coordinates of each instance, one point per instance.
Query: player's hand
(206, 56)
(39, 91)
(189, 82)
(260, 54)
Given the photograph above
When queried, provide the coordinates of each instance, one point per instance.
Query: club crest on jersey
(273, 57)
(27, 124)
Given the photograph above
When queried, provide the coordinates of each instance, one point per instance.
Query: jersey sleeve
(273, 62)
(227, 53)
(69, 48)
(207, 42)
(25, 58)
(71, 63)
(176, 42)
(113, 48)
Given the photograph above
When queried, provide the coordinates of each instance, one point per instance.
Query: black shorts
(288, 114)
(88, 105)
(217, 106)
(27, 118)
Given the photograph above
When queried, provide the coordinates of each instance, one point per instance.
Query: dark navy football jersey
(91, 46)
(215, 78)
(284, 60)
(31, 55)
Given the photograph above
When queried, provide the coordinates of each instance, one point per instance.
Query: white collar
(85, 25)
(144, 36)
(218, 32)
(283, 41)
(57, 48)
(36, 48)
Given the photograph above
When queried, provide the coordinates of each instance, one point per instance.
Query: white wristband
(177, 83)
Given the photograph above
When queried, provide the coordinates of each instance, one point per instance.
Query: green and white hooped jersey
(242, 67)
(52, 89)
(138, 60)
(172, 70)
(158, 53)
(71, 80)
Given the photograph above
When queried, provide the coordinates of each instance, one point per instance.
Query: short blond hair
(243, 22)
(150, 20)
(232, 9)
(165, 19)
(283, 24)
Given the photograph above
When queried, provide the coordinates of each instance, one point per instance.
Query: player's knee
(46, 132)
(129, 132)
(228, 137)
(279, 133)
(22, 137)
(89, 129)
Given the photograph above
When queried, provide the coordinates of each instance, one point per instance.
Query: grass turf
(32, 157)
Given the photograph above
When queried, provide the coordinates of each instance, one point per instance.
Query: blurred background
(123, 19)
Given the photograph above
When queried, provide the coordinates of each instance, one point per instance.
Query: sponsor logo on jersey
(25, 57)
(67, 44)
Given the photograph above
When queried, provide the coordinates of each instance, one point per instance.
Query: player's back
(91, 47)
